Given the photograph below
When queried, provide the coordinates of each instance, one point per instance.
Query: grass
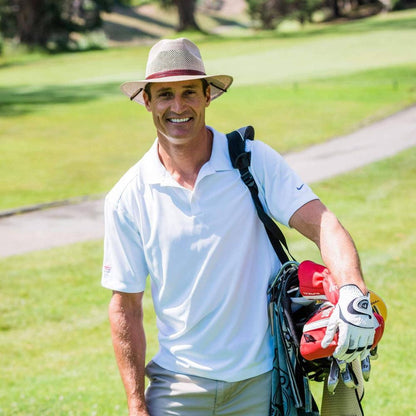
(55, 350)
(66, 130)
(55, 345)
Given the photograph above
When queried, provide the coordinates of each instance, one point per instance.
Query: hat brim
(218, 83)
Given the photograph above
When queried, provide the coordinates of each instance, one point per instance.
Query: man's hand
(354, 319)
(138, 412)
(129, 341)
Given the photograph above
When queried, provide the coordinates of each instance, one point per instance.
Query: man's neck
(184, 162)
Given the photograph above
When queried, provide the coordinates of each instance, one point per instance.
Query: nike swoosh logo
(300, 187)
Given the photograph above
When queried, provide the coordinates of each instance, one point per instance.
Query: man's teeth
(180, 120)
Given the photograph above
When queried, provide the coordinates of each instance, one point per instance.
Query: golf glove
(354, 319)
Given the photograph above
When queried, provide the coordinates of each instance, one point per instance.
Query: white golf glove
(354, 319)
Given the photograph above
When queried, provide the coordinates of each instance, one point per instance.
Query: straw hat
(172, 61)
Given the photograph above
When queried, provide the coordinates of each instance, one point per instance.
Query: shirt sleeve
(124, 265)
(281, 190)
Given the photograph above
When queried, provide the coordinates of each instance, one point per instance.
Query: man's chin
(176, 138)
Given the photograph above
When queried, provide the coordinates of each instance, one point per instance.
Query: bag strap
(241, 160)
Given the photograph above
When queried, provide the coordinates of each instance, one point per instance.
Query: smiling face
(178, 109)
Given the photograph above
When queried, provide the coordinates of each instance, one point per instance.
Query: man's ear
(146, 100)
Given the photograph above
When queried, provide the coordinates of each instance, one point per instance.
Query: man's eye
(165, 94)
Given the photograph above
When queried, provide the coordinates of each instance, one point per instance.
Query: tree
(271, 12)
(335, 8)
(264, 11)
(36, 19)
(35, 22)
(186, 13)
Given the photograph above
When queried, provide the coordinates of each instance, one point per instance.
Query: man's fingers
(330, 332)
(343, 343)
(365, 355)
(348, 356)
(349, 350)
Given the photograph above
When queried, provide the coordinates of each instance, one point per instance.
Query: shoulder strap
(241, 160)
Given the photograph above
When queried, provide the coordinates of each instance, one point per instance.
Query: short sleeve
(124, 265)
(282, 191)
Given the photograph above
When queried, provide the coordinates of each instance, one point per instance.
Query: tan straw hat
(172, 61)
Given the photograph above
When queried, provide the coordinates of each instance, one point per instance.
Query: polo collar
(156, 173)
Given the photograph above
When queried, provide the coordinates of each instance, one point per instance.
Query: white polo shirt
(207, 254)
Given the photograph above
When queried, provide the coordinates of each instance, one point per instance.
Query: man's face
(178, 109)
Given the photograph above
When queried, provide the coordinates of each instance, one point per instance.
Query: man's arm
(352, 316)
(126, 319)
(338, 251)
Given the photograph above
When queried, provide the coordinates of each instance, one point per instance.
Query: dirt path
(73, 223)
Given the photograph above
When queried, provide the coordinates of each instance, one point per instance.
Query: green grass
(67, 131)
(55, 340)
(55, 350)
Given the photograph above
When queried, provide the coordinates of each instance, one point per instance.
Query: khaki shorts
(171, 393)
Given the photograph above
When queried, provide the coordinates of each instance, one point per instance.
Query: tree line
(45, 22)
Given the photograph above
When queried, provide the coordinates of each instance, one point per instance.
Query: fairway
(67, 131)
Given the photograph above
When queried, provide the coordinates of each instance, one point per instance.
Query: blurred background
(59, 25)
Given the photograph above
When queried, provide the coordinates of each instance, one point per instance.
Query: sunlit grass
(67, 131)
(66, 141)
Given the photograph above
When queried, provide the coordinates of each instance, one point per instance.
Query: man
(183, 216)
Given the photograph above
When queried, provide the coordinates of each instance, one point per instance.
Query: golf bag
(294, 309)
(288, 312)
(291, 395)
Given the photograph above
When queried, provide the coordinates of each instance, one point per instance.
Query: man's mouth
(179, 120)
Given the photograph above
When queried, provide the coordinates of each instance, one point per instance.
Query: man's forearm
(130, 347)
(339, 253)
(352, 316)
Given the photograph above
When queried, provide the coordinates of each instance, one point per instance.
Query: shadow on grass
(221, 21)
(121, 33)
(24, 100)
(370, 24)
(5, 65)
(347, 27)
(130, 12)
(357, 26)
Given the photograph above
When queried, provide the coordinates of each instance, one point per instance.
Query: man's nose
(177, 104)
